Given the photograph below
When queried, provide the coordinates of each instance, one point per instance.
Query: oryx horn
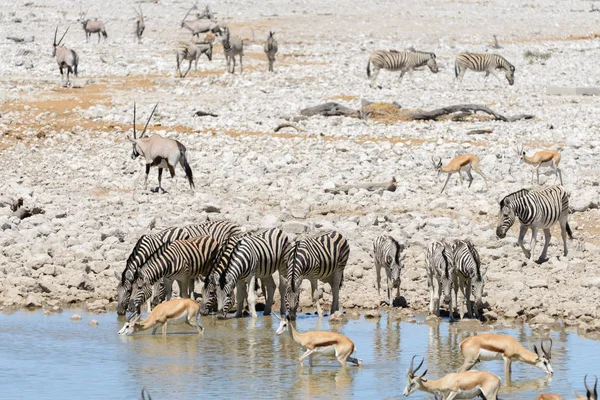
(147, 122)
(63, 36)
(188, 13)
(134, 135)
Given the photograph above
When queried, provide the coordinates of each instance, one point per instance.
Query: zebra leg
(447, 179)
(436, 293)
(388, 286)
(538, 174)
(335, 289)
(241, 65)
(374, 76)
(315, 295)
(240, 294)
(252, 295)
(454, 299)
(534, 230)
(270, 285)
(547, 236)
(430, 285)
(563, 233)
(378, 276)
(282, 288)
(402, 72)
(184, 288)
(522, 232)
(467, 294)
(188, 70)
(460, 76)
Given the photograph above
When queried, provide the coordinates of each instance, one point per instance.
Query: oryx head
(129, 327)
(437, 164)
(413, 381)
(432, 64)
(56, 44)
(136, 151)
(510, 74)
(543, 358)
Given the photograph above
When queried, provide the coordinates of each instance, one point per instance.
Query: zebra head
(477, 290)
(394, 260)
(224, 295)
(448, 273)
(510, 74)
(292, 299)
(432, 64)
(292, 289)
(506, 219)
(123, 291)
(208, 295)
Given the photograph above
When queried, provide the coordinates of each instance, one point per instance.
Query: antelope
(326, 343)
(543, 158)
(92, 26)
(139, 24)
(206, 14)
(551, 396)
(176, 309)
(270, 48)
(192, 51)
(589, 394)
(159, 152)
(464, 162)
(462, 385)
(492, 346)
(200, 26)
(65, 58)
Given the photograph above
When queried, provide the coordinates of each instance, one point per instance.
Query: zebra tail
(369, 68)
(186, 166)
(569, 231)
(456, 69)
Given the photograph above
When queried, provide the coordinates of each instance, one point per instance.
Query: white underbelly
(487, 355)
(469, 394)
(179, 319)
(466, 168)
(329, 351)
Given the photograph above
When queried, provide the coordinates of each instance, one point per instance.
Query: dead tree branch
(390, 186)
(434, 114)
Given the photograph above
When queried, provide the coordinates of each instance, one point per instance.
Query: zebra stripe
(318, 258)
(232, 46)
(256, 256)
(181, 261)
(536, 210)
(469, 274)
(399, 61)
(270, 48)
(441, 274)
(483, 62)
(387, 253)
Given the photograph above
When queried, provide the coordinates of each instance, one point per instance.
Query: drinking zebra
(441, 275)
(321, 258)
(387, 253)
(232, 46)
(483, 62)
(469, 275)
(536, 210)
(256, 256)
(270, 48)
(181, 261)
(402, 61)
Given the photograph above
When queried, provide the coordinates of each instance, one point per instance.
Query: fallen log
(330, 109)
(389, 186)
(434, 114)
(479, 131)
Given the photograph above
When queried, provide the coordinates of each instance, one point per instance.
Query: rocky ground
(64, 151)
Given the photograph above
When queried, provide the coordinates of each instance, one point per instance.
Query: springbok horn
(587, 389)
(147, 122)
(63, 36)
(423, 374)
(276, 316)
(134, 136)
(596, 388)
(548, 353)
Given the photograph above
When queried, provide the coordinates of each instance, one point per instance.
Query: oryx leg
(546, 245)
(189, 67)
(315, 296)
(522, 232)
(62, 76)
(534, 230)
(241, 65)
(146, 178)
(99, 36)
(252, 295)
(269, 283)
(159, 188)
(447, 179)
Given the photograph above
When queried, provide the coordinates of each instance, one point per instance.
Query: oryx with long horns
(65, 58)
(159, 152)
(199, 26)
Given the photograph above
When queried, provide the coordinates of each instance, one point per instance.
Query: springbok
(322, 342)
(462, 385)
(159, 152)
(199, 26)
(65, 58)
(550, 396)
(92, 26)
(176, 309)
(589, 394)
(543, 158)
(139, 24)
(492, 346)
(464, 162)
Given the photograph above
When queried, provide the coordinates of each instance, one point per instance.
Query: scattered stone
(93, 323)
(337, 317)
(76, 317)
(372, 314)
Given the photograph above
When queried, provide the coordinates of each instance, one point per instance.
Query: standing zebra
(270, 48)
(535, 210)
(232, 46)
(254, 256)
(441, 274)
(181, 261)
(483, 62)
(318, 258)
(468, 275)
(387, 253)
(403, 61)
(191, 51)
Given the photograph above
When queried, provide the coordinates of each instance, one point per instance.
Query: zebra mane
(514, 195)
(131, 257)
(398, 247)
(223, 275)
(475, 255)
(156, 254)
(220, 253)
(447, 260)
(294, 260)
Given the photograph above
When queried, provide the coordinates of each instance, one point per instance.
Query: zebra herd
(408, 60)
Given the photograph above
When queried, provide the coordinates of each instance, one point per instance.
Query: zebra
(270, 48)
(441, 275)
(403, 61)
(191, 51)
(321, 258)
(232, 46)
(483, 62)
(180, 261)
(469, 275)
(253, 256)
(536, 209)
(387, 253)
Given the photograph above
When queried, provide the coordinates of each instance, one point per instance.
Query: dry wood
(200, 113)
(390, 186)
(285, 125)
(434, 114)
(479, 131)
(330, 109)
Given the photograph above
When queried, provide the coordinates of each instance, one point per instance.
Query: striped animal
(270, 48)
(483, 62)
(191, 51)
(441, 275)
(535, 210)
(402, 61)
(321, 258)
(181, 261)
(469, 275)
(387, 253)
(253, 256)
(232, 46)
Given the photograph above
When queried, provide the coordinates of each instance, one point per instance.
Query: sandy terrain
(64, 150)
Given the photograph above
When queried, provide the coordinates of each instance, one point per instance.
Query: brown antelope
(139, 24)
(464, 162)
(199, 26)
(176, 309)
(492, 346)
(543, 158)
(462, 385)
(92, 26)
(65, 58)
(326, 343)
(550, 396)
(192, 51)
(589, 394)
(270, 48)
(159, 152)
